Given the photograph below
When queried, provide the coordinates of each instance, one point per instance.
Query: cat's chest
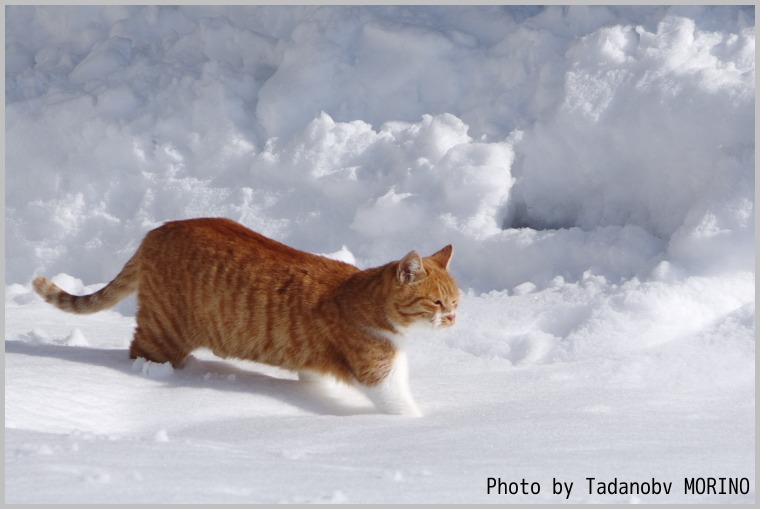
(397, 339)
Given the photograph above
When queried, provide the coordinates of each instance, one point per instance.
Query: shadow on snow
(208, 374)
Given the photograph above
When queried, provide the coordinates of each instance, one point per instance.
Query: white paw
(392, 394)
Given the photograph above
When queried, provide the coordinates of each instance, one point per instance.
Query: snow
(592, 166)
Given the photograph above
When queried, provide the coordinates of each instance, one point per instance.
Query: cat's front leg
(391, 394)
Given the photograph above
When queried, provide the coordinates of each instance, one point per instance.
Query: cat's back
(210, 243)
(212, 233)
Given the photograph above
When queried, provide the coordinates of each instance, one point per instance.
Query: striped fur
(108, 296)
(213, 283)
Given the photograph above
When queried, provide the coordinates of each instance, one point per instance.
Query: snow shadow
(201, 373)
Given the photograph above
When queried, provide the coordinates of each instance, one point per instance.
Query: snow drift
(328, 126)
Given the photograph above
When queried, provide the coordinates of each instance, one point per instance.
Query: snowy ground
(593, 167)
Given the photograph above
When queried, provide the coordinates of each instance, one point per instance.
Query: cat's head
(424, 293)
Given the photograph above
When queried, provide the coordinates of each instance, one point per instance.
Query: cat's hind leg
(156, 346)
(392, 395)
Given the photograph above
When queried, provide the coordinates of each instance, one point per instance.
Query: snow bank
(623, 137)
(655, 129)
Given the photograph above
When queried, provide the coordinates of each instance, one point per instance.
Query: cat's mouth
(443, 320)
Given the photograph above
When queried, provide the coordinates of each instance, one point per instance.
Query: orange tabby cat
(214, 283)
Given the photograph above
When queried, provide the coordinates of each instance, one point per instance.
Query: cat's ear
(443, 257)
(410, 269)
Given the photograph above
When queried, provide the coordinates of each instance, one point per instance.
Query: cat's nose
(451, 316)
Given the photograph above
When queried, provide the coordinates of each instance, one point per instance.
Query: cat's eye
(438, 303)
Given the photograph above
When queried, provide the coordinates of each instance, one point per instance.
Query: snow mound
(433, 125)
(153, 369)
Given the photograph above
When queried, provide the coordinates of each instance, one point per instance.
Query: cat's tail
(124, 284)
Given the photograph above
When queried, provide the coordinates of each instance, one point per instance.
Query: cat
(213, 283)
